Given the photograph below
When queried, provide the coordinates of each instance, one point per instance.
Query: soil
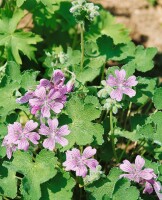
(142, 19)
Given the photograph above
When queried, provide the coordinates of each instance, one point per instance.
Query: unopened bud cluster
(83, 10)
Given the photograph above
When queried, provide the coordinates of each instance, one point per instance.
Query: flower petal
(91, 163)
(111, 81)
(33, 137)
(120, 75)
(128, 91)
(81, 171)
(44, 130)
(126, 167)
(53, 124)
(88, 152)
(62, 141)
(30, 126)
(45, 111)
(40, 93)
(131, 81)
(148, 188)
(117, 94)
(63, 130)
(139, 162)
(49, 143)
(23, 144)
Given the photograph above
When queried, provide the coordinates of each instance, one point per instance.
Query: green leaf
(91, 70)
(143, 58)
(144, 90)
(83, 130)
(19, 3)
(8, 183)
(157, 119)
(29, 80)
(17, 41)
(35, 173)
(123, 190)
(104, 186)
(106, 25)
(53, 190)
(8, 100)
(13, 71)
(157, 98)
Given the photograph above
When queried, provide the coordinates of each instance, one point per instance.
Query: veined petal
(49, 143)
(45, 111)
(88, 152)
(120, 75)
(91, 163)
(17, 127)
(148, 188)
(30, 126)
(63, 130)
(62, 141)
(56, 106)
(139, 162)
(131, 81)
(33, 137)
(127, 167)
(129, 176)
(128, 91)
(44, 83)
(44, 130)
(111, 81)
(81, 171)
(40, 93)
(117, 94)
(146, 175)
(53, 124)
(23, 144)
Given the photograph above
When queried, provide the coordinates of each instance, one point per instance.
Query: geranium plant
(79, 116)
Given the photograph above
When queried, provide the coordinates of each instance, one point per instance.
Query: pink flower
(45, 101)
(145, 177)
(54, 134)
(79, 163)
(25, 98)
(135, 171)
(121, 85)
(49, 95)
(19, 137)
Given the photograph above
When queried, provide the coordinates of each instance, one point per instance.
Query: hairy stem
(112, 136)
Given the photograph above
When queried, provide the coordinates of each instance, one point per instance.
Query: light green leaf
(19, 3)
(91, 70)
(13, 71)
(8, 100)
(17, 41)
(106, 24)
(157, 119)
(104, 186)
(53, 190)
(8, 183)
(123, 190)
(35, 173)
(29, 80)
(157, 98)
(83, 130)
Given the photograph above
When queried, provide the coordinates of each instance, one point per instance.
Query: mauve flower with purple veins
(19, 137)
(121, 85)
(54, 134)
(135, 171)
(25, 98)
(57, 81)
(79, 163)
(46, 101)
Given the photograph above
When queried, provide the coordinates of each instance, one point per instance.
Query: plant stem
(82, 45)
(124, 150)
(112, 135)
(128, 113)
